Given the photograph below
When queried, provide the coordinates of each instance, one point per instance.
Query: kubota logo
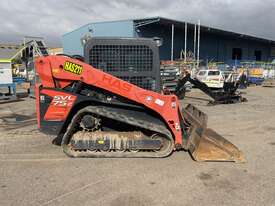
(119, 84)
(63, 101)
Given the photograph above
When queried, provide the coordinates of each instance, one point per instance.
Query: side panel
(60, 105)
(54, 107)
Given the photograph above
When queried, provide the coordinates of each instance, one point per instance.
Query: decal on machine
(159, 102)
(73, 68)
(117, 83)
(63, 101)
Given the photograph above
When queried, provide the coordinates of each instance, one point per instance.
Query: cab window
(213, 73)
(202, 73)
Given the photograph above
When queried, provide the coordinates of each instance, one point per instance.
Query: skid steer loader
(95, 114)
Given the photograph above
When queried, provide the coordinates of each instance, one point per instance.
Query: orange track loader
(94, 114)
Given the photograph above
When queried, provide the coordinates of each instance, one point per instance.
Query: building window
(236, 54)
(258, 55)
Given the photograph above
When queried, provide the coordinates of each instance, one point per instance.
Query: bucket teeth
(205, 144)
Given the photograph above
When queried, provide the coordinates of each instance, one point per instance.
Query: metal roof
(181, 24)
(9, 51)
(166, 21)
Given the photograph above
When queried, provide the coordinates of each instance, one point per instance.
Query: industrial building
(214, 44)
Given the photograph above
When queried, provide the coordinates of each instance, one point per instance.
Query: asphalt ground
(35, 172)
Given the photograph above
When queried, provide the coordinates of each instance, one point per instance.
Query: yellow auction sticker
(73, 68)
(100, 141)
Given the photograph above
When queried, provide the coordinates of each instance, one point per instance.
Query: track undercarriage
(106, 136)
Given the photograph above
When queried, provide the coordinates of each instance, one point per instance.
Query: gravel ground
(35, 172)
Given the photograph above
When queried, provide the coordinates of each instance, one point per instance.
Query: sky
(52, 18)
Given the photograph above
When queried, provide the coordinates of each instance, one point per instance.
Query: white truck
(215, 78)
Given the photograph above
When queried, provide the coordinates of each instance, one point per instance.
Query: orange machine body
(60, 71)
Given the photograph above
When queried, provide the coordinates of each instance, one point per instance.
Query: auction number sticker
(73, 68)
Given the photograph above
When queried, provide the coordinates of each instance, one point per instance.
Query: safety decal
(159, 102)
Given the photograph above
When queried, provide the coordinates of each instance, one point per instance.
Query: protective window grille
(120, 58)
(142, 81)
(131, 60)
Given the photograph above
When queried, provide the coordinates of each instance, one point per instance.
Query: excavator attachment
(204, 144)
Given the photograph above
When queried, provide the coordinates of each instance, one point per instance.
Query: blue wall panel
(72, 41)
(213, 47)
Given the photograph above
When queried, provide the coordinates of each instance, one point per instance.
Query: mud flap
(205, 144)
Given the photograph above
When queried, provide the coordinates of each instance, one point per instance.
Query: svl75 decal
(63, 101)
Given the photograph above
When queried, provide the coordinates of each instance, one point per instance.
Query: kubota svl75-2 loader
(95, 114)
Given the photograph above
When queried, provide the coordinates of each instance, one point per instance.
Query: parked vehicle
(215, 78)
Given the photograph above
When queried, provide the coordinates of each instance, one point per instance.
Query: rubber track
(111, 114)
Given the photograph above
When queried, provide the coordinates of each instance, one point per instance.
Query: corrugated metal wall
(212, 46)
(215, 47)
(72, 40)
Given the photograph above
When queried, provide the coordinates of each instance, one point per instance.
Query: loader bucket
(205, 144)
